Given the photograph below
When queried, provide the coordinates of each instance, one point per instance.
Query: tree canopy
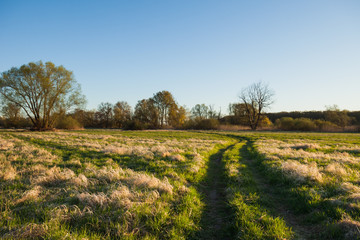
(122, 113)
(42, 91)
(165, 104)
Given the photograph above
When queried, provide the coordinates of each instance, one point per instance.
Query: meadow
(111, 184)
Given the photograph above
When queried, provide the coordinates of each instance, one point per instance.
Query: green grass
(110, 184)
(252, 219)
(158, 172)
(323, 195)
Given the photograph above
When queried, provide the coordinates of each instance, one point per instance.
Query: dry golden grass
(177, 157)
(302, 172)
(80, 171)
(121, 197)
(53, 177)
(349, 188)
(93, 199)
(354, 197)
(64, 212)
(7, 171)
(107, 173)
(196, 164)
(150, 182)
(336, 169)
(5, 144)
(145, 147)
(31, 195)
(80, 181)
(296, 152)
(306, 146)
(116, 150)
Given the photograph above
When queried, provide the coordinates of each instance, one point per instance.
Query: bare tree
(212, 113)
(42, 91)
(200, 111)
(256, 98)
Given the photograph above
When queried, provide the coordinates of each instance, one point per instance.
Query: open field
(179, 185)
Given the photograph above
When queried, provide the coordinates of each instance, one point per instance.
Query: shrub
(68, 122)
(135, 125)
(326, 126)
(208, 124)
(202, 124)
(304, 124)
(285, 123)
(265, 122)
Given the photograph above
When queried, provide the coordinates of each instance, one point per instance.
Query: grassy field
(179, 185)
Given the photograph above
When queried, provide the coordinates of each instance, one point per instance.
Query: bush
(15, 123)
(67, 122)
(135, 125)
(265, 122)
(208, 124)
(202, 124)
(326, 126)
(285, 123)
(304, 124)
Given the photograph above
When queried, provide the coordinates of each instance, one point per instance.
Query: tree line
(44, 96)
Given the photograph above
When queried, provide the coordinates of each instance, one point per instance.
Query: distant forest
(315, 115)
(120, 115)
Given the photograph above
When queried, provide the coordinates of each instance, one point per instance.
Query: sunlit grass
(82, 185)
(104, 184)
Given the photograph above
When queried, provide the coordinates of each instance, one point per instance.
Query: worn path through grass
(217, 218)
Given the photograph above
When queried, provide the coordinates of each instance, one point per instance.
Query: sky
(202, 51)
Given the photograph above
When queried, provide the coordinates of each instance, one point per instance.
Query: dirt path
(277, 200)
(216, 220)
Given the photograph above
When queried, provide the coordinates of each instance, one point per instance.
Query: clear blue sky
(202, 51)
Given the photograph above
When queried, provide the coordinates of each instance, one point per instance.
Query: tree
(42, 91)
(256, 98)
(200, 111)
(165, 103)
(146, 113)
(212, 114)
(80, 116)
(335, 115)
(12, 114)
(105, 114)
(122, 113)
(177, 116)
(238, 113)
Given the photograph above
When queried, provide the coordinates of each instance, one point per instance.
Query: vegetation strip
(252, 219)
(275, 201)
(318, 177)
